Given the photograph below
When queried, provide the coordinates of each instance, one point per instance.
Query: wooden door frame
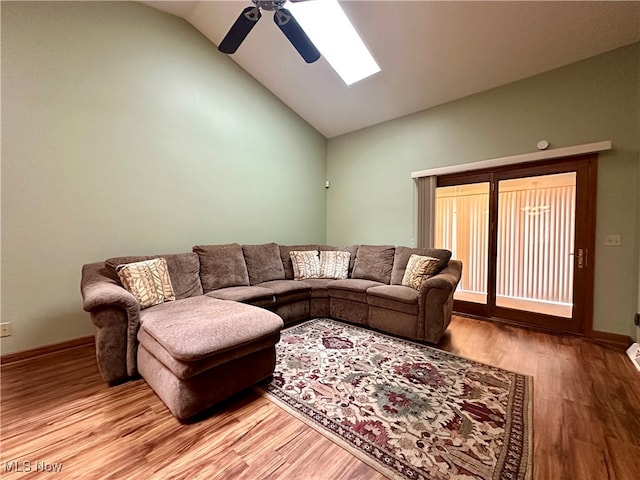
(586, 189)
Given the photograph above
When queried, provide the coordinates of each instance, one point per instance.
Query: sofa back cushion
(374, 262)
(222, 266)
(285, 256)
(184, 271)
(263, 262)
(403, 254)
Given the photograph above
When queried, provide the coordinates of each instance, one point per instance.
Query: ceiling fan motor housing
(282, 18)
(269, 4)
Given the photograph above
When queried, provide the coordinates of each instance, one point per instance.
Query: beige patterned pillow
(334, 264)
(419, 268)
(306, 264)
(148, 281)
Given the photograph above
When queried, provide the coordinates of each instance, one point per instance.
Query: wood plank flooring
(57, 413)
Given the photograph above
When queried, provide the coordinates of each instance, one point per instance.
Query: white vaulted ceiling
(429, 52)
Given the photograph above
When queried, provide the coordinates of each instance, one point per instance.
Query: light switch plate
(612, 241)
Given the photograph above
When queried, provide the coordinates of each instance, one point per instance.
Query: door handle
(580, 256)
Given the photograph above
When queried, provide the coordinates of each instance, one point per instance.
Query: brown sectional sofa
(218, 337)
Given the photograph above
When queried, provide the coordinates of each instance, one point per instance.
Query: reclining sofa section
(214, 327)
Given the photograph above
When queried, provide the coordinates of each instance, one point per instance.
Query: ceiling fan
(282, 17)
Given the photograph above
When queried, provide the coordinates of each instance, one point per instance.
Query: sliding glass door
(536, 236)
(525, 237)
(462, 226)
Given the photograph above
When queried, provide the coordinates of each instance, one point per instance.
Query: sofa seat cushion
(319, 286)
(288, 291)
(200, 327)
(260, 296)
(186, 370)
(394, 297)
(287, 287)
(351, 289)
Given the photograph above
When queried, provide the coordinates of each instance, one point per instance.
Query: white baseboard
(634, 354)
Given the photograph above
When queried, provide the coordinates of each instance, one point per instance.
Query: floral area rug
(408, 410)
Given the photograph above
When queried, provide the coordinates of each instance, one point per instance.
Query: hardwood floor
(56, 412)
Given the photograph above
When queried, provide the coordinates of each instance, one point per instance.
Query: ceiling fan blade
(296, 35)
(240, 29)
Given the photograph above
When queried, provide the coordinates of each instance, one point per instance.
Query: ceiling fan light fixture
(331, 31)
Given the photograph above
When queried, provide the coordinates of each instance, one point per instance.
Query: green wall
(124, 131)
(371, 199)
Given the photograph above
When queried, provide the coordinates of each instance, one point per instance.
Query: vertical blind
(535, 236)
(462, 226)
(535, 242)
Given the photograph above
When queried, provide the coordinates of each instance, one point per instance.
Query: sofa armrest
(447, 279)
(436, 301)
(100, 290)
(116, 315)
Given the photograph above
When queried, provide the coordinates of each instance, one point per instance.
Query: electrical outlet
(5, 329)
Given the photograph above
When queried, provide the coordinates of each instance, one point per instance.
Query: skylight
(328, 27)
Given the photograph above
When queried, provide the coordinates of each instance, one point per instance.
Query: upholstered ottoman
(198, 351)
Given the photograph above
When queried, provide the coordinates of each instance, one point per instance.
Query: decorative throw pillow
(334, 264)
(419, 268)
(148, 281)
(306, 264)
